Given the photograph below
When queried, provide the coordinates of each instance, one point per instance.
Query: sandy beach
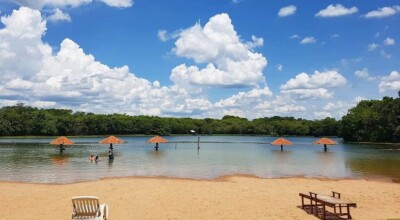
(234, 197)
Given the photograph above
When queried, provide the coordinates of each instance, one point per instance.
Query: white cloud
(294, 36)
(286, 11)
(59, 15)
(252, 97)
(256, 42)
(72, 79)
(339, 108)
(384, 54)
(383, 12)
(301, 94)
(372, 46)
(230, 62)
(280, 105)
(314, 87)
(118, 3)
(260, 103)
(39, 4)
(390, 83)
(279, 67)
(308, 40)
(328, 79)
(334, 35)
(322, 114)
(336, 10)
(162, 35)
(389, 41)
(363, 74)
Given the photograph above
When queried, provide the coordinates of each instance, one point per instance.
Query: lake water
(34, 160)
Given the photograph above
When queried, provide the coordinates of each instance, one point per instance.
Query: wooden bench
(340, 207)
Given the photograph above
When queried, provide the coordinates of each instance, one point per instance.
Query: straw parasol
(111, 140)
(325, 141)
(157, 139)
(281, 141)
(61, 141)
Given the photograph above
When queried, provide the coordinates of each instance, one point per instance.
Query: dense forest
(372, 120)
(21, 120)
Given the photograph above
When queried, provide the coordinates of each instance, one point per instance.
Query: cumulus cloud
(279, 67)
(280, 105)
(39, 4)
(308, 40)
(245, 98)
(59, 15)
(390, 83)
(339, 108)
(315, 86)
(286, 11)
(372, 46)
(389, 41)
(162, 35)
(229, 61)
(336, 10)
(294, 36)
(383, 12)
(384, 54)
(70, 78)
(118, 3)
(262, 102)
(363, 74)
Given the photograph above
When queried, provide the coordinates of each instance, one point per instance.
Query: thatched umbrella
(325, 141)
(281, 141)
(111, 140)
(62, 141)
(157, 139)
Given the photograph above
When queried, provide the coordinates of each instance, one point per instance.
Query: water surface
(34, 160)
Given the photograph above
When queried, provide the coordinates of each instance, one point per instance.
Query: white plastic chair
(88, 207)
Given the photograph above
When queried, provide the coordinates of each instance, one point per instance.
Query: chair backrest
(86, 205)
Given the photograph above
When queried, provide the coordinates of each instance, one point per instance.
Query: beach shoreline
(218, 179)
(227, 197)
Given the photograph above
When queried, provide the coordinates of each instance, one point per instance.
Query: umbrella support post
(325, 148)
(281, 147)
(61, 149)
(198, 143)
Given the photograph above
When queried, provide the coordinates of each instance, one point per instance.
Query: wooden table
(334, 201)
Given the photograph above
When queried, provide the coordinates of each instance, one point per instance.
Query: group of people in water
(110, 155)
(93, 158)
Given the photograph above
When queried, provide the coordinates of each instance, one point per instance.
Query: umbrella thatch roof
(112, 140)
(325, 141)
(281, 141)
(157, 139)
(62, 140)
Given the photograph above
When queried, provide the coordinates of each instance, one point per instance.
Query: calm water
(34, 160)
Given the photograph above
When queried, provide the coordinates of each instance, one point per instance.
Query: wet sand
(234, 197)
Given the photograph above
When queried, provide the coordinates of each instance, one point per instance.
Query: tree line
(21, 120)
(370, 120)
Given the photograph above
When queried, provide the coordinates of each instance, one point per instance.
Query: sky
(200, 58)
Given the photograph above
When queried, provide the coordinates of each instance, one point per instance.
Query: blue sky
(201, 58)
